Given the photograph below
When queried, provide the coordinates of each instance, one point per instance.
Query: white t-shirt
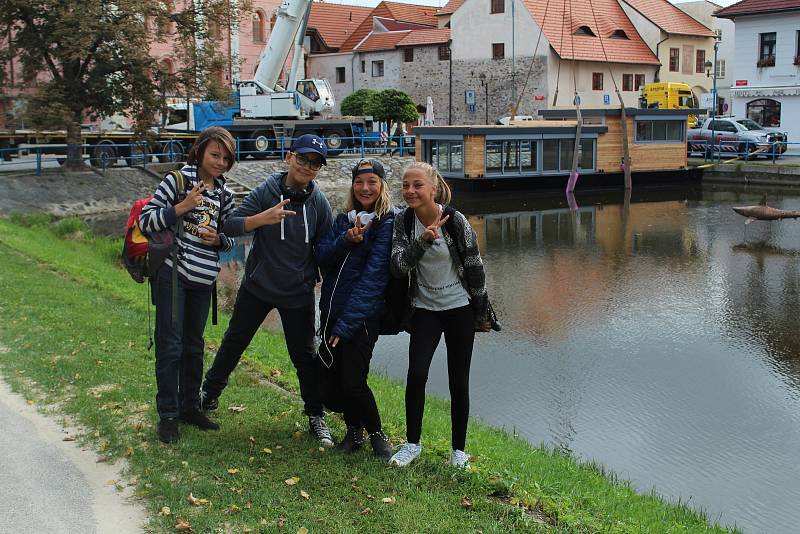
(437, 277)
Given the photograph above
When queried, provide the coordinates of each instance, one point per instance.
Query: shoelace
(319, 428)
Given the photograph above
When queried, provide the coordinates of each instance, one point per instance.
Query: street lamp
(717, 38)
(485, 85)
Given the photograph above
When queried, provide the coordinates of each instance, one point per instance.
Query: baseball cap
(310, 143)
(365, 166)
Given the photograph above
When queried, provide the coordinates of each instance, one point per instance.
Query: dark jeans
(179, 350)
(346, 387)
(298, 328)
(458, 326)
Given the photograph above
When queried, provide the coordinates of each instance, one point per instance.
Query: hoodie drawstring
(305, 220)
(282, 236)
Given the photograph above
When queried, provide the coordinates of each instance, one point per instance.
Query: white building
(766, 68)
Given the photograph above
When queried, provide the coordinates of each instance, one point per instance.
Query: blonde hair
(383, 204)
(214, 133)
(443, 192)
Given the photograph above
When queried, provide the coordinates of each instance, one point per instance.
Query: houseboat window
(456, 157)
(527, 156)
(550, 155)
(510, 157)
(657, 130)
(447, 156)
(494, 157)
(557, 154)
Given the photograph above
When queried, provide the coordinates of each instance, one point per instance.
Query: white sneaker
(459, 458)
(319, 430)
(407, 454)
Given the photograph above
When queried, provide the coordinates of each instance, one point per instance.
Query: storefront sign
(740, 83)
(747, 93)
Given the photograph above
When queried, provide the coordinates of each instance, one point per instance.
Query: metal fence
(109, 154)
(745, 150)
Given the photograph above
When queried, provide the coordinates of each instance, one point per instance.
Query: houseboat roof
(569, 113)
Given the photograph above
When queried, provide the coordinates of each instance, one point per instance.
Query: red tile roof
(669, 18)
(396, 26)
(335, 22)
(426, 37)
(752, 7)
(609, 16)
(381, 41)
(450, 7)
(391, 10)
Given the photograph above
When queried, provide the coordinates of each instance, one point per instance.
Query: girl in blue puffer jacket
(354, 260)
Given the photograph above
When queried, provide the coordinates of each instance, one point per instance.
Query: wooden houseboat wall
(538, 154)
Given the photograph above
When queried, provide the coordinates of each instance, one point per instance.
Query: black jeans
(346, 387)
(298, 328)
(179, 350)
(458, 326)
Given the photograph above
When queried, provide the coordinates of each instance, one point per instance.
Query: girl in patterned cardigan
(448, 296)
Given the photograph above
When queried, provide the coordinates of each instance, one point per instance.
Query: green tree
(392, 106)
(356, 103)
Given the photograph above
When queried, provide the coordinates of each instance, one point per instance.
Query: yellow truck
(668, 95)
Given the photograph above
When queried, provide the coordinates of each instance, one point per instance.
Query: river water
(657, 336)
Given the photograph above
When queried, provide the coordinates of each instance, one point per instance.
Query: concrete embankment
(782, 173)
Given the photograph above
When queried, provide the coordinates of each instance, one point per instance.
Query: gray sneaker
(407, 454)
(459, 459)
(320, 431)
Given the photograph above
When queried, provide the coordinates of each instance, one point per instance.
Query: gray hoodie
(280, 268)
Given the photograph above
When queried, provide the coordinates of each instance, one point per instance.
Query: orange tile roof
(335, 22)
(395, 26)
(450, 7)
(609, 16)
(426, 37)
(669, 18)
(381, 41)
(751, 7)
(424, 15)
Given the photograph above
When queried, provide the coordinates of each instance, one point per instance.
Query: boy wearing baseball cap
(288, 214)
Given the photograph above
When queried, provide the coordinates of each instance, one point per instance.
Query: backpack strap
(450, 226)
(180, 186)
(408, 222)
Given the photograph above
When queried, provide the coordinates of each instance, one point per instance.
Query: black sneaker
(198, 419)
(168, 430)
(353, 439)
(381, 446)
(320, 431)
(207, 402)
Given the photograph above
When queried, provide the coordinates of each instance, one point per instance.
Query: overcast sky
(440, 3)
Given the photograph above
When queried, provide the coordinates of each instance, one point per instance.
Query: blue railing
(108, 154)
(745, 150)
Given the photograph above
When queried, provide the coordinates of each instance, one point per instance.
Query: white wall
(474, 29)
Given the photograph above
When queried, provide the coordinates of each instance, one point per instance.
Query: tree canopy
(356, 103)
(391, 106)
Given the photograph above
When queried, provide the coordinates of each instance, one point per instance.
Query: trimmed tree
(356, 103)
(392, 106)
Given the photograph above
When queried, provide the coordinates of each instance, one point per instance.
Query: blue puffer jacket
(356, 293)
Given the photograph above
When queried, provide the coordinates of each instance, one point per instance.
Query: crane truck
(261, 115)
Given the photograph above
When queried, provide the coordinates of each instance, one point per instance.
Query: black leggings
(458, 326)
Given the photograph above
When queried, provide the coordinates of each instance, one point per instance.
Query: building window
(444, 52)
(585, 30)
(627, 82)
(674, 59)
(498, 6)
(408, 55)
(498, 50)
(214, 31)
(447, 156)
(766, 49)
(659, 131)
(377, 69)
(557, 154)
(720, 68)
(700, 62)
(363, 67)
(511, 157)
(638, 82)
(619, 34)
(765, 111)
(258, 26)
(597, 81)
(797, 49)
(340, 75)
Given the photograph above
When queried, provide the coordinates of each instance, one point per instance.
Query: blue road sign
(606, 99)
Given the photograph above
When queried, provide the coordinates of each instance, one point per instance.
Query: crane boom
(290, 16)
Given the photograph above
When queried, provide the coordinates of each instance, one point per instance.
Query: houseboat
(538, 154)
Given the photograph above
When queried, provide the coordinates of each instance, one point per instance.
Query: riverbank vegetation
(73, 341)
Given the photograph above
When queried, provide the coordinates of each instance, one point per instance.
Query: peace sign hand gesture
(356, 233)
(276, 213)
(431, 233)
(194, 198)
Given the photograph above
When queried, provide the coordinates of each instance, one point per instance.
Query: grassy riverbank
(73, 341)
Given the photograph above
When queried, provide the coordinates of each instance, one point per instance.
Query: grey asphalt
(51, 485)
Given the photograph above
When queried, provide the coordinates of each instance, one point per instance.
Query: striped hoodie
(198, 263)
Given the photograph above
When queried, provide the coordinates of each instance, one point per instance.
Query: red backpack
(143, 253)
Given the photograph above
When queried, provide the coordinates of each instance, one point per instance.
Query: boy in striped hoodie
(201, 212)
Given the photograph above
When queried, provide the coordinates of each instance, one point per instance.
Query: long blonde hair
(443, 192)
(383, 204)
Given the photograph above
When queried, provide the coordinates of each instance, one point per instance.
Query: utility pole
(714, 96)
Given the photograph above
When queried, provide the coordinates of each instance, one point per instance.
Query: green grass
(74, 338)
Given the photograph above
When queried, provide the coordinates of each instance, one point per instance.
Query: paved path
(52, 486)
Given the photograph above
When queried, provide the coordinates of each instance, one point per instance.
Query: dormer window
(619, 34)
(585, 30)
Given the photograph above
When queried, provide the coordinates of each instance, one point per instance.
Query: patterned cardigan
(407, 252)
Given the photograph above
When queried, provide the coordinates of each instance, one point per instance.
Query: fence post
(773, 151)
(362, 144)
(238, 155)
(38, 161)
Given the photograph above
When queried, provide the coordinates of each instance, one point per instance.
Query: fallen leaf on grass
(291, 481)
(194, 501)
(252, 440)
(297, 434)
(236, 408)
(275, 373)
(388, 500)
(232, 509)
(68, 438)
(302, 530)
(466, 502)
(304, 494)
(248, 505)
(267, 451)
(278, 447)
(365, 511)
(129, 452)
(281, 521)
(183, 526)
(370, 497)
(233, 471)
(165, 511)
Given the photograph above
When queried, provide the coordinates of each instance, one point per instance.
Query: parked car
(743, 136)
